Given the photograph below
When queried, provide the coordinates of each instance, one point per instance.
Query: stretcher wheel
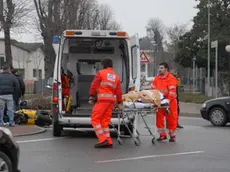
(137, 141)
(120, 142)
(154, 141)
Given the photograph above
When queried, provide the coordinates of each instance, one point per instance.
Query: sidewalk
(190, 109)
(24, 130)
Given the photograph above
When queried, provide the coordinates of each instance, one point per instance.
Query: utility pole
(209, 42)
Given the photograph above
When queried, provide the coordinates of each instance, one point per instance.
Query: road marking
(39, 140)
(149, 156)
(183, 117)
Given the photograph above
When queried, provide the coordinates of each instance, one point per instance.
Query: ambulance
(81, 52)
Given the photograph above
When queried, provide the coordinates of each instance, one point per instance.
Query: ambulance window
(134, 61)
(89, 67)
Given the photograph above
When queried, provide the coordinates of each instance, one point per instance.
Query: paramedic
(106, 85)
(166, 83)
(178, 106)
(65, 81)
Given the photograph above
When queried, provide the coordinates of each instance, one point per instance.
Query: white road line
(39, 140)
(149, 156)
(182, 117)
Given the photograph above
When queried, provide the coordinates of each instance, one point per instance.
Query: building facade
(28, 58)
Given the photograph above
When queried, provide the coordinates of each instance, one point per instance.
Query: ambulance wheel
(120, 142)
(137, 141)
(154, 141)
(57, 130)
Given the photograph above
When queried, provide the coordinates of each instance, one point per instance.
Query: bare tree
(54, 16)
(174, 33)
(12, 15)
(106, 18)
(114, 25)
(47, 11)
(157, 28)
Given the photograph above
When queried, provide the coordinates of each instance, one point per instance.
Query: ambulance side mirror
(49, 83)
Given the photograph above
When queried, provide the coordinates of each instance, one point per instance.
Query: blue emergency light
(55, 39)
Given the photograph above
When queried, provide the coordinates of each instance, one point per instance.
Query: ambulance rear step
(83, 114)
(83, 121)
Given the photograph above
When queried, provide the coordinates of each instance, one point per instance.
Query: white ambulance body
(81, 53)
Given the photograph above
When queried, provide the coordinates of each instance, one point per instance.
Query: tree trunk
(50, 55)
(8, 52)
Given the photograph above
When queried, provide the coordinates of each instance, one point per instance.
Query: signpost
(214, 44)
(144, 58)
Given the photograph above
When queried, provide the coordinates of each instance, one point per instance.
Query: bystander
(9, 85)
(18, 96)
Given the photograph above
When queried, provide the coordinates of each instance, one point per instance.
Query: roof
(30, 47)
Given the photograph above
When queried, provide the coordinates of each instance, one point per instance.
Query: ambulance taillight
(55, 91)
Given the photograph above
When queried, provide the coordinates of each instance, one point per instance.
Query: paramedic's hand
(120, 107)
(91, 100)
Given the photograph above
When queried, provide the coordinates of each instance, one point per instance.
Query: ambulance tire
(57, 130)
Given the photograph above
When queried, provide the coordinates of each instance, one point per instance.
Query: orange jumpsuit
(167, 85)
(65, 88)
(106, 85)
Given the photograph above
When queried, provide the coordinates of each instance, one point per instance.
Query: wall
(20, 57)
(26, 60)
(36, 62)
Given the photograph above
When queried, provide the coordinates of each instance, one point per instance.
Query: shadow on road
(83, 134)
(222, 127)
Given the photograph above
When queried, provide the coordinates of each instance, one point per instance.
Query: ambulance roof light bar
(95, 33)
(72, 33)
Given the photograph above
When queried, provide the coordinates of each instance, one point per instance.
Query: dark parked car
(217, 111)
(9, 152)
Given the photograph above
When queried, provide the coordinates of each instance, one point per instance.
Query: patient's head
(107, 62)
(163, 68)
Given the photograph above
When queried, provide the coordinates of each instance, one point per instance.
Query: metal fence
(192, 79)
(35, 87)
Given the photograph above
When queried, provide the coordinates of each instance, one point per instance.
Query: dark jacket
(8, 84)
(21, 85)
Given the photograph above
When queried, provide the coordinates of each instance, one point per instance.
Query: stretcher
(134, 111)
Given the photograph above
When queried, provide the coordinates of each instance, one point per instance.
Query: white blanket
(138, 105)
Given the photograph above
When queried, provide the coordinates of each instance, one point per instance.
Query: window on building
(2, 61)
(34, 73)
(37, 73)
(40, 74)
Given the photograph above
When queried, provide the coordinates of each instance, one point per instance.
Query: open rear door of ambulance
(135, 68)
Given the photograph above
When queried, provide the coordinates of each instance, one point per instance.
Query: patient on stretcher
(144, 99)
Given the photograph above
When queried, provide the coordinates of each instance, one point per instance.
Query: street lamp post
(209, 46)
(227, 48)
(215, 45)
(193, 75)
(154, 56)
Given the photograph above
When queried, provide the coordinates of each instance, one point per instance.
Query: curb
(41, 130)
(191, 103)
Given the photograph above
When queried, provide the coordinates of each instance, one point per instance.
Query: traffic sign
(144, 58)
(214, 44)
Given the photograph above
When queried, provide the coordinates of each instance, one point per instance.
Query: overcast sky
(134, 14)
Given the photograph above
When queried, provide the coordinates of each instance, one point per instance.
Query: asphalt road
(199, 148)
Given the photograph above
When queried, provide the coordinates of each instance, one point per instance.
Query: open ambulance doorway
(81, 59)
